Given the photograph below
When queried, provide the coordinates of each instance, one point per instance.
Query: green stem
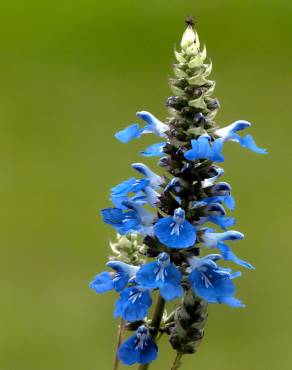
(155, 323)
(177, 361)
(119, 342)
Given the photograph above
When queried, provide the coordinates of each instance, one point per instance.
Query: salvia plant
(172, 229)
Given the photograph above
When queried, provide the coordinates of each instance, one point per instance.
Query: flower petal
(186, 238)
(129, 133)
(102, 283)
(155, 150)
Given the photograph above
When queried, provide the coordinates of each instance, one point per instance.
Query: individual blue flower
(161, 274)
(155, 150)
(134, 218)
(223, 221)
(213, 212)
(119, 193)
(176, 231)
(119, 280)
(133, 304)
(128, 186)
(154, 179)
(153, 124)
(134, 131)
(203, 148)
(144, 193)
(211, 282)
(216, 240)
(228, 200)
(229, 133)
(140, 348)
(222, 192)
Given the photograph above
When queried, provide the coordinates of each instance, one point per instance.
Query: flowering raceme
(166, 243)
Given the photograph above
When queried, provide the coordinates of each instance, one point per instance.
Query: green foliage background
(74, 72)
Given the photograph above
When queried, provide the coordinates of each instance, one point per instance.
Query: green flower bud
(188, 38)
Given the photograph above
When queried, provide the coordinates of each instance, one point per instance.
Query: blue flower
(228, 200)
(153, 124)
(134, 218)
(202, 148)
(176, 231)
(119, 193)
(142, 189)
(211, 282)
(128, 186)
(134, 131)
(229, 133)
(155, 150)
(139, 348)
(161, 274)
(222, 192)
(133, 304)
(154, 179)
(216, 240)
(213, 212)
(119, 280)
(223, 221)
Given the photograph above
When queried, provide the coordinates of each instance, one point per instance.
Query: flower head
(174, 233)
(139, 348)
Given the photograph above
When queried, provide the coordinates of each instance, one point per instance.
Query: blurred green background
(74, 72)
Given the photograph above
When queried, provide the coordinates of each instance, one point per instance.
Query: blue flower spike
(162, 219)
(140, 348)
(175, 232)
(161, 274)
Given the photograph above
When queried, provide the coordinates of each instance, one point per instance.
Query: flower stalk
(177, 361)
(121, 332)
